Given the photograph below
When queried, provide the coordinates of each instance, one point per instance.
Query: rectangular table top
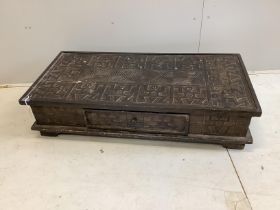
(176, 83)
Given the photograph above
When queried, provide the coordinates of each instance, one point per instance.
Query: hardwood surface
(146, 95)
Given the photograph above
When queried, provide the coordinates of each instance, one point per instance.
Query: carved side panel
(220, 124)
(215, 123)
(58, 116)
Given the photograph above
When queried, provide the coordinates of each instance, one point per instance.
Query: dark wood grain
(178, 94)
(137, 121)
(161, 81)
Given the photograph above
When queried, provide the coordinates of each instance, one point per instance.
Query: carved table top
(176, 82)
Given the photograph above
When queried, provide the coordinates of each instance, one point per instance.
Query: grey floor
(77, 172)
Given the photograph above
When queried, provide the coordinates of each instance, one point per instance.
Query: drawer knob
(134, 120)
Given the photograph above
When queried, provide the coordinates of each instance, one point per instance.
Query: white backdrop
(32, 32)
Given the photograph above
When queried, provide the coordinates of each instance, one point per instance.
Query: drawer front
(137, 121)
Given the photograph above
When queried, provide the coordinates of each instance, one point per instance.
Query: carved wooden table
(206, 98)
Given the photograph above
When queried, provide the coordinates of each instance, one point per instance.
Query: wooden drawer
(137, 121)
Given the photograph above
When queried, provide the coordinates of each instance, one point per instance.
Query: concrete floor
(85, 173)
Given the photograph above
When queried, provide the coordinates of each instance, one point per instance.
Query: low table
(205, 98)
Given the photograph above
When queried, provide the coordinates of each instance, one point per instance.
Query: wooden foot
(234, 146)
(44, 133)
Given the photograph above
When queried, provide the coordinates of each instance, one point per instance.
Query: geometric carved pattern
(215, 81)
(225, 124)
(219, 123)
